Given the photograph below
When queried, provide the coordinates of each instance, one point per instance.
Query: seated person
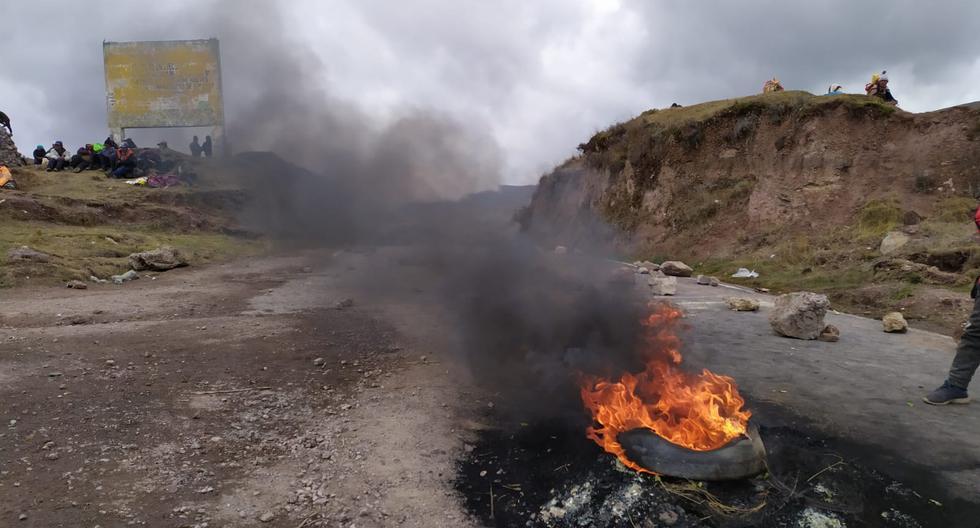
(107, 158)
(83, 158)
(125, 164)
(56, 157)
(39, 153)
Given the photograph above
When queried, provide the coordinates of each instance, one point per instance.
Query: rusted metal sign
(163, 84)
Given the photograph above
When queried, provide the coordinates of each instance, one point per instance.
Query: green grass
(876, 218)
(78, 252)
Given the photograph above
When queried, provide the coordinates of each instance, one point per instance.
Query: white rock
(663, 285)
(894, 322)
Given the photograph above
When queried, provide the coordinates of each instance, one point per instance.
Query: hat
(40, 146)
(58, 143)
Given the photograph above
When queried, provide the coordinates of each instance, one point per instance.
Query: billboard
(163, 84)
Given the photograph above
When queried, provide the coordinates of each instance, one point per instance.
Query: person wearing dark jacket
(207, 147)
(39, 153)
(83, 159)
(196, 148)
(56, 157)
(5, 121)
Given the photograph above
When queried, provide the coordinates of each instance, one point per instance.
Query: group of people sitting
(117, 160)
(122, 160)
(878, 87)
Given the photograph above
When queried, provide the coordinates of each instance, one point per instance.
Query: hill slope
(802, 188)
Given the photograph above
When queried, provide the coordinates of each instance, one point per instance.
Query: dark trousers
(967, 357)
(56, 164)
(38, 161)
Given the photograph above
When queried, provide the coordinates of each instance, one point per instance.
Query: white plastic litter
(745, 273)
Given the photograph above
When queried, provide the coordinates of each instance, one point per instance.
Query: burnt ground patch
(546, 474)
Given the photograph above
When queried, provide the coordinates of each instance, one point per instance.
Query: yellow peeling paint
(163, 84)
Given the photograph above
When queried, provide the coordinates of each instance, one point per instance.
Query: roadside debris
(161, 259)
(76, 285)
(830, 334)
(125, 277)
(663, 285)
(742, 304)
(799, 315)
(676, 268)
(894, 323)
(745, 273)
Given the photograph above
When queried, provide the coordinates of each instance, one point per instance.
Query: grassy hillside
(801, 188)
(89, 224)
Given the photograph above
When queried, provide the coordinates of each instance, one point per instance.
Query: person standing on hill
(195, 148)
(967, 357)
(5, 121)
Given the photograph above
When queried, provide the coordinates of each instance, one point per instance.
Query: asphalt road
(866, 389)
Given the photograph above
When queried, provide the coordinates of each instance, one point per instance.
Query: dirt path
(238, 395)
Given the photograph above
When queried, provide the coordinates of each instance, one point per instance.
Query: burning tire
(741, 458)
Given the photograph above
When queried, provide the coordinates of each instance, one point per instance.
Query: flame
(697, 411)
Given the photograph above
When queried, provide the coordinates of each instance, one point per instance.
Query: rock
(742, 304)
(345, 303)
(643, 270)
(830, 334)
(318, 362)
(561, 250)
(911, 217)
(676, 268)
(23, 253)
(76, 285)
(161, 259)
(125, 277)
(652, 266)
(663, 285)
(702, 280)
(713, 281)
(267, 516)
(906, 270)
(54, 374)
(53, 455)
(893, 241)
(894, 322)
(799, 315)
(668, 517)
(110, 363)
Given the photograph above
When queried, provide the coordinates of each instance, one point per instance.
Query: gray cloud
(537, 77)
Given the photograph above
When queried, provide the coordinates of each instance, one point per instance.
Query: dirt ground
(251, 393)
(315, 389)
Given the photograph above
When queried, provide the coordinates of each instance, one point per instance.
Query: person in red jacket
(967, 357)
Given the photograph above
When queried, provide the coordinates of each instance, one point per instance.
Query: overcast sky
(538, 77)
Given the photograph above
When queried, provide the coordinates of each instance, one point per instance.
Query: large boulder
(663, 285)
(894, 322)
(161, 259)
(892, 242)
(799, 315)
(676, 268)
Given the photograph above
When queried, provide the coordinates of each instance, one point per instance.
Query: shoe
(946, 395)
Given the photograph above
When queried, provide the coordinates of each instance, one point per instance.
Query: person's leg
(964, 366)
(967, 357)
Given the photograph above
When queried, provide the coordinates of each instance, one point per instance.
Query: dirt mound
(799, 187)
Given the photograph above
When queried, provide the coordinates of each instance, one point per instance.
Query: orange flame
(697, 411)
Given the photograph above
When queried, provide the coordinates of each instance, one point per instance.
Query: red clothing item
(976, 218)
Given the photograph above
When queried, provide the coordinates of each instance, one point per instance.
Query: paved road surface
(866, 388)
